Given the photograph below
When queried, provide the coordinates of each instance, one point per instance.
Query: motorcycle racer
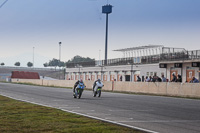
(77, 82)
(97, 84)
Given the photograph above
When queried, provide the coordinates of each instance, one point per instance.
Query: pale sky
(80, 26)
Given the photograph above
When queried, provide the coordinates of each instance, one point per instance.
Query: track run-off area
(143, 112)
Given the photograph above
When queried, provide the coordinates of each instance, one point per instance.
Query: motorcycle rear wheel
(94, 93)
(99, 93)
(80, 93)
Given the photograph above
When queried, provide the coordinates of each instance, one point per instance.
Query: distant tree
(61, 64)
(78, 58)
(54, 62)
(2, 64)
(45, 64)
(17, 64)
(29, 64)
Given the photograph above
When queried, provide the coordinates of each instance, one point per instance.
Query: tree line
(29, 64)
(55, 62)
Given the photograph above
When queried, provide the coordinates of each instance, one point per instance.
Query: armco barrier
(158, 88)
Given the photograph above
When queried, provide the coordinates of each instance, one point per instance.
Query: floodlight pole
(106, 40)
(59, 52)
(107, 9)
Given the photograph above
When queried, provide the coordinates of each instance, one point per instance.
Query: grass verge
(21, 117)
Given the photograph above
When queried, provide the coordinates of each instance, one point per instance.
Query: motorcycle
(79, 90)
(97, 89)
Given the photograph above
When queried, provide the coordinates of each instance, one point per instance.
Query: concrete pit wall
(158, 88)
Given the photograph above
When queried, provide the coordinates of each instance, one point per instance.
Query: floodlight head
(107, 9)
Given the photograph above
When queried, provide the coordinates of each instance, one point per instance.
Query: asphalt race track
(148, 113)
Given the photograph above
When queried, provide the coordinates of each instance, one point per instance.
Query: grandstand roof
(140, 47)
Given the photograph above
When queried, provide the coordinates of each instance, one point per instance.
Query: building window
(155, 73)
(147, 73)
(151, 74)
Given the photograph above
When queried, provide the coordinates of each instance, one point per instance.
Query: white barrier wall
(159, 88)
(28, 81)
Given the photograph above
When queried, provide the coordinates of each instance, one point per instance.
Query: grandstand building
(143, 61)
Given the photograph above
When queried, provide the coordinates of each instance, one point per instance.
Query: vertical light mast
(106, 9)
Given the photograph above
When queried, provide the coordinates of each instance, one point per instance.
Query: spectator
(174, 79)
(143, 80)
(155, 78)
(163, 78)
(147, 79)
(194, 80)
(179, 78)
(159, 79)
(120, 78)
(138, 79)
(150, 79)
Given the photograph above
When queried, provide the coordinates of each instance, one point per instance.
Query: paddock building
(143, 61)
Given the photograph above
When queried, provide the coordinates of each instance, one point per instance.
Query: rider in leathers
(76, 84)
(95, 83)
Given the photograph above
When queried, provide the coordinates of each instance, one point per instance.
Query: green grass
(21, 117)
